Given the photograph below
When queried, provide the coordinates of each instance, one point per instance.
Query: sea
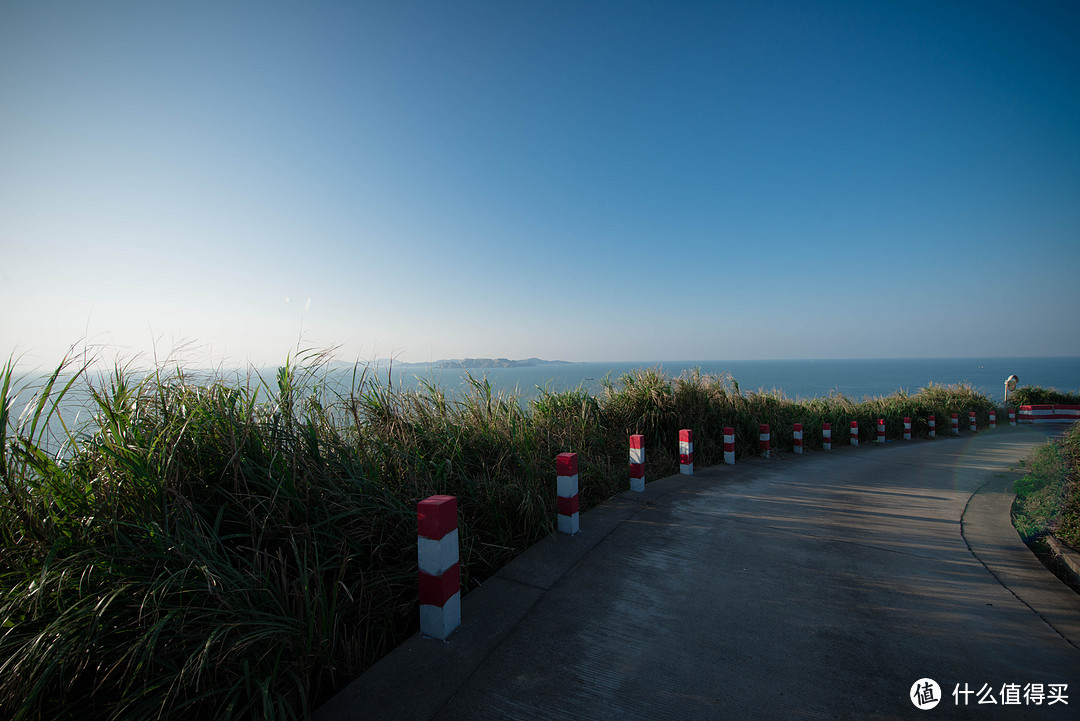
(793, 379)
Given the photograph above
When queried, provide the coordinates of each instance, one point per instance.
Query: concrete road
(813, 587)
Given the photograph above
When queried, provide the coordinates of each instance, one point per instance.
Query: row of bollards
(437, 534)
(686, 444)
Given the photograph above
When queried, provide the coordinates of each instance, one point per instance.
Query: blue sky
(584, 181)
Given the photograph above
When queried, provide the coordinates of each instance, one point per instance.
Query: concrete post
(566, 485)
(440, 569)
(637, 463)
(686, 452)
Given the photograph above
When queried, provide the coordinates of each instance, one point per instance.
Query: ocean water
(793, 378)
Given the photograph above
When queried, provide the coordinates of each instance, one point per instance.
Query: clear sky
(584, 181)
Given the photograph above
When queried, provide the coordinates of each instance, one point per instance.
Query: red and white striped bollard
(764, 439)
(955, 419)
(971, 420)
(932, 423)
(440, 568)
(686, 452)
(637, 463)
(566, 492)
(1012, 418)
(729, 445)
(854, 435)
(880, 430)
(993, 419)
(826, 436)
(907, 429)
(797, 438)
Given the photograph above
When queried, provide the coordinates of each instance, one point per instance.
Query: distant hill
(452, 363)
(488, 363)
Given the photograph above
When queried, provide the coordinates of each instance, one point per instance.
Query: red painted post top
(729, 430)
(854, 424)
(798, 426)
(566, 464)
(686, 436)
(436, 516)
(637, 441)
(826, 426)
(763, 428)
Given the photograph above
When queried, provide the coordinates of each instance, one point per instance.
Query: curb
(1069, 558)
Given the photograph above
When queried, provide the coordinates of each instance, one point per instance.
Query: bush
(1035, 395)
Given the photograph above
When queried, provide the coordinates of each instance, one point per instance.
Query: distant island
(488, 363)
(455, 363)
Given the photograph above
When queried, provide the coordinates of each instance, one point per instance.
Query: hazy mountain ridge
(487, 363)
(383, 364)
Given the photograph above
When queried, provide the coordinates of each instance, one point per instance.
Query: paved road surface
(815, 587)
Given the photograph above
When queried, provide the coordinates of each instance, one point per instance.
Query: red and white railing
(1049, 414)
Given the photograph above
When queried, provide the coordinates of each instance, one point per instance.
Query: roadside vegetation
(240, 549)
(1048, 497)
(1036, 395)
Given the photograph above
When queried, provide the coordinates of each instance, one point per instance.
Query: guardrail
(1049, 414)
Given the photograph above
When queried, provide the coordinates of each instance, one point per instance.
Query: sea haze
(793, 378)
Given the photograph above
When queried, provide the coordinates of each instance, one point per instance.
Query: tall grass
(1037, 395)
(241, 549)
